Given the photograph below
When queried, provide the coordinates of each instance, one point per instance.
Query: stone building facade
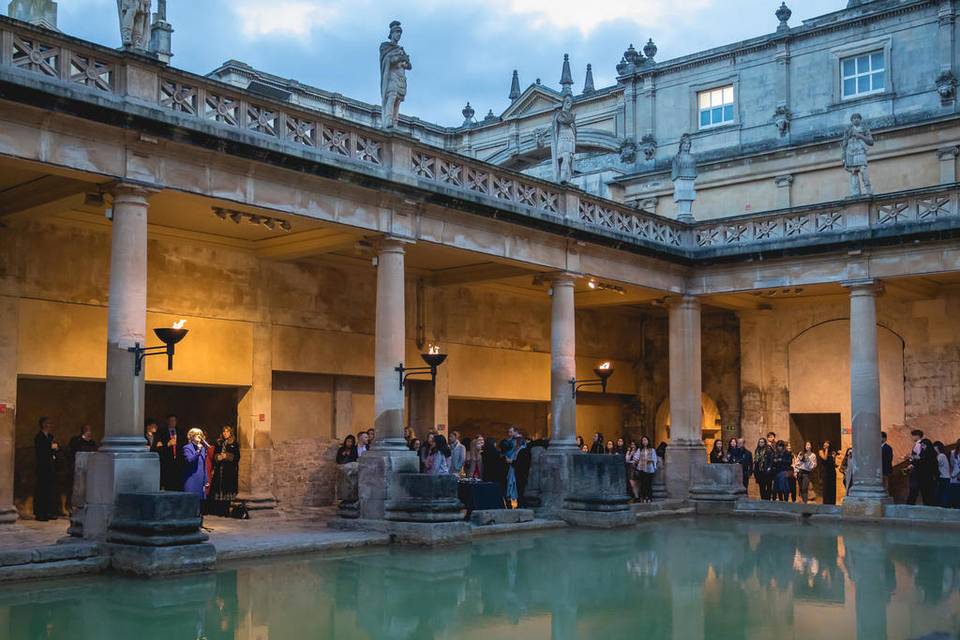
(272, 211)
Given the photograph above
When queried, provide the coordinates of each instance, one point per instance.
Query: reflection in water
(678, 580)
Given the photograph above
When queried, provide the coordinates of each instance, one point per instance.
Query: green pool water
(680, 579)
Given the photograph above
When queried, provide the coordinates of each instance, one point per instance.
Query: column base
(679, 468)
(866, 502)
(375, 478)
(555, 474)
(259, 506)
(8, 516)
(110, 474)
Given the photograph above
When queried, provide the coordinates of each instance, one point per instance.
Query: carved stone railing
(888, 214)
(69, 68)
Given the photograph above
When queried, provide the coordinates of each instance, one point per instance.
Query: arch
(709, 421)
(818, 372)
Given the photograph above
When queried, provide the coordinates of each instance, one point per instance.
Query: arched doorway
(710, 421)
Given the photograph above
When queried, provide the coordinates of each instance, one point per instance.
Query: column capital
(682, 300)
(784, 180)
(130, 191)
(864, 287)
(948, 153)
(390, 244)
(561, 278)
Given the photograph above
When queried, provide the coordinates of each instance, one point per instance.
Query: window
(716, 107)
(863, 74)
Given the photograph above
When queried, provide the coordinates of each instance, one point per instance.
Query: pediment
(535, 99)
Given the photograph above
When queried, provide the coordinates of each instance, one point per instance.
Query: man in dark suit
(886, 460)
(168, 443)
(46, 500)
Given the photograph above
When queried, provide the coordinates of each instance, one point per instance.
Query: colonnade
(125, 465)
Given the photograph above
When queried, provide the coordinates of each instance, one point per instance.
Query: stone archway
(710, 424)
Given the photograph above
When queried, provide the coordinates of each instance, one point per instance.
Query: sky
(460, 50)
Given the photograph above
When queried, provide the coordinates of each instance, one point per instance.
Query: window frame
(853, 50)
(857, 75)
(733, 106)
(728, 80)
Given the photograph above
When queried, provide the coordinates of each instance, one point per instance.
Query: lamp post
(603, 372)
(169, 336)
(433, 358)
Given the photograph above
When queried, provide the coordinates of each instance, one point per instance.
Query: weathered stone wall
(304, 472)
(919, 350)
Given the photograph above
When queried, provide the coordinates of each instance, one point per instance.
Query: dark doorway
(72, 403)
(815, 427)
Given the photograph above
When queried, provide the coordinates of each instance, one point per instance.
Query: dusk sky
(460, 50)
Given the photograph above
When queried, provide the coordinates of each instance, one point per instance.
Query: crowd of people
(505, 462)
(188, 462)
(934, 473)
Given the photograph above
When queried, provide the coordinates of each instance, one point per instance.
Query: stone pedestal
(376, 473)
(554, 478)
(532, 492)
(348, 495)
(108, 475)
(423, 497)
(660, 482)
(155, 534)
(597, 496)
(678, 472)
(684, 194)
(78, 500)
(716, 487)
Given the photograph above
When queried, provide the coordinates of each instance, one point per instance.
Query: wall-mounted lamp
(603, 371)
(169, 336)
(432, 357)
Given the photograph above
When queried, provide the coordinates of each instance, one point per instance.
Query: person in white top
(646, 462)
(364, 443)
(805, 464)
(438, 460)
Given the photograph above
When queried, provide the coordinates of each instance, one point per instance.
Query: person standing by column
(746, 462)
(170, 444)
(194, 453)
(46, 502)
(827, 460)
(913, 469)
(458, 454)
(886, 460)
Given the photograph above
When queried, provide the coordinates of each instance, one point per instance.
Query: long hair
(440, 445)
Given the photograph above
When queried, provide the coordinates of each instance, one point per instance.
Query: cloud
(586, 17)
(292, 18)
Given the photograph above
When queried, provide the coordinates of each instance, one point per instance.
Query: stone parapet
(597, 496)
(716, 488)
(423, 497)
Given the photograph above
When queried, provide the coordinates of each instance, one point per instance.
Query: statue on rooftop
(394, 64)
(134, 23)
(684, 176)
(856, 139)
(563, 141)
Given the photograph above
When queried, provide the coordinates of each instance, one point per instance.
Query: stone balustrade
(41, 60)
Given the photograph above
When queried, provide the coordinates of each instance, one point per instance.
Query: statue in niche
(684, 176)
(394, 64)
(856, 139)
(563, 141)
(134, 23)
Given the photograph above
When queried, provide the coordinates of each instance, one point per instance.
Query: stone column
(8, 404)
(563, 364)
(867, 495)
(784, 197)
(948, 164)
(123, 463)
(254, 413)
(389, 454)
(686, 440)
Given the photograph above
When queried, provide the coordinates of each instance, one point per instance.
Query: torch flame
(604, 365)
(179, 324)
(433, 349)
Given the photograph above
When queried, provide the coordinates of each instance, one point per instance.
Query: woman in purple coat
(195, 478)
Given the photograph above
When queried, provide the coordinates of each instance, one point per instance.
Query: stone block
(61, 552)
(12, 558)
(414, 533)
(554, 479)
(376, 473)
(486, 517)
(597, 497)
(79, 496)
(161, 561)
(678, 468)
(158, 534)
(110, 474)
(422, 497)
(715, 488)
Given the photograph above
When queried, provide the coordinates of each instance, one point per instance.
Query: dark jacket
(886, 459)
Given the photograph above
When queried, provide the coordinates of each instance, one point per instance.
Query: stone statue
(42, 13)
(563, 139)
(134, 23)
(628, 151)
(648, 144)
(856, 139)
(781, 118)
(394, 64)
(684, 177)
